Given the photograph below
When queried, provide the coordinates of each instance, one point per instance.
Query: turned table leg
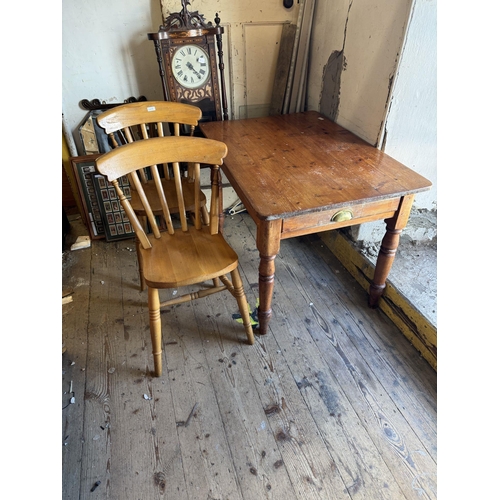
(266, 286)
(385, 259)
(268, 244)
(388, 248)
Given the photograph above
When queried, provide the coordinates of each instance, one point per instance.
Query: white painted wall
(411, 127)
(106, 54)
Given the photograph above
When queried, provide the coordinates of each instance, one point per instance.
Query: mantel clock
(186, 48)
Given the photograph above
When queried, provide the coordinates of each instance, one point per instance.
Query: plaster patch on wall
(330, 94)
(332, 73)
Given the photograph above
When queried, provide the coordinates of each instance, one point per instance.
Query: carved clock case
(189, 53)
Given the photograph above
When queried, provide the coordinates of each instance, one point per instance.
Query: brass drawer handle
(342, 216)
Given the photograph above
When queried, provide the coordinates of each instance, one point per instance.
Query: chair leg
(204, 215)
(155, 327)
(142, 283)
(239, 294)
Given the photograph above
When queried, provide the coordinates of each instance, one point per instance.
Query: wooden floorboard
(332, 403)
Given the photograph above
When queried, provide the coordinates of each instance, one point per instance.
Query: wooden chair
(183, 255)
(142, 120)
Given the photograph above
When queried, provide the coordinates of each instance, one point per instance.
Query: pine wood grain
(393, 348)
(75, 317)
(332, 403)
(396, 443)
(295, 331)
(302, 163)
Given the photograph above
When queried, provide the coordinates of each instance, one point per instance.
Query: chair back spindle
(138, 155)
(139, 230)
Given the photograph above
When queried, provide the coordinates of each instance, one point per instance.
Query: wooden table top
(299, 163)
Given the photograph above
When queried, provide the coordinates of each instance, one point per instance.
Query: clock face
(190, 66)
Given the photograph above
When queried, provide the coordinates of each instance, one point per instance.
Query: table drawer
(339, 217)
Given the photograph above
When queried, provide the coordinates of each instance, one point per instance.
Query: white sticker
(151, 108)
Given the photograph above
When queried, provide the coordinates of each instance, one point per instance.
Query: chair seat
(170, 193)
(187, 258)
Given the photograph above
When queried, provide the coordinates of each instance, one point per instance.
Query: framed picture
(116, 224)
(104, 216)
(85, 171)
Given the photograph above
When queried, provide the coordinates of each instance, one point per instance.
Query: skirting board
(415, 327)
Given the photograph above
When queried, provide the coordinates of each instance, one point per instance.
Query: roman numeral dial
(190, 66)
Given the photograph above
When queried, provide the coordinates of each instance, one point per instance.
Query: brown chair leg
(155, 327)
(242, 304)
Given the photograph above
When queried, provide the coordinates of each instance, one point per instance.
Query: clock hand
(190, 66)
